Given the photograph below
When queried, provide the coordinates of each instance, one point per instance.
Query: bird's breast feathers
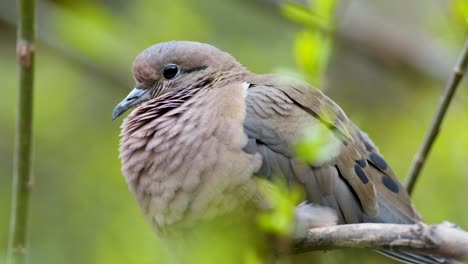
(188, 163)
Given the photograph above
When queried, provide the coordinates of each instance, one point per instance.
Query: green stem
(452, 84)
(17, 247)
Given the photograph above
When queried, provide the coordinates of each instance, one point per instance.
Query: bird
(204, 128)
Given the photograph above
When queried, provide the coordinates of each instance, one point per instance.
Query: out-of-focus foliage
(312, 46)
(232, 239)
(82, 211)
(457, 29)
(460, 8)
(318, 145)
(103, 35)
(319, 14)
(282, 200)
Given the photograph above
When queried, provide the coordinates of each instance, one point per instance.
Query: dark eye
(170, 71)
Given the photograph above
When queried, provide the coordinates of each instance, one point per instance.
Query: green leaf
(304, 16)
(312, 52)
(283, 200)
(318, 145)
(324, 8)
(461, 9)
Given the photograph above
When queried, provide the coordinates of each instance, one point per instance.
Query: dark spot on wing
(362, 163)
(390, 184)
(378, 161)
(360, 173)
(369, 147)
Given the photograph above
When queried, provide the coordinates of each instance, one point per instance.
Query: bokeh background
(384, 62)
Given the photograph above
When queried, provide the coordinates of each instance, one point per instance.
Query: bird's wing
(357, 182)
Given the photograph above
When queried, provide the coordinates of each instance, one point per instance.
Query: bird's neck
(155, 108)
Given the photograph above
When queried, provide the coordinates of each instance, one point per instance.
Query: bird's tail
(415, 258)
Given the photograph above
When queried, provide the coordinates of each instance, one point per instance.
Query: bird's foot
(307, 216)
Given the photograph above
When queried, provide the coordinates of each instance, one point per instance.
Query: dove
(204, 129)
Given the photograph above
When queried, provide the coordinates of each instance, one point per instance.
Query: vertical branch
(23, 141)
(452, 84)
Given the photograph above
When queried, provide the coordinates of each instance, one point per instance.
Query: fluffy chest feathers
(182, 155)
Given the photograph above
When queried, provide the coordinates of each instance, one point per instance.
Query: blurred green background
(385, 63)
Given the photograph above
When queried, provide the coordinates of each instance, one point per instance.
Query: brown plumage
(205, 127)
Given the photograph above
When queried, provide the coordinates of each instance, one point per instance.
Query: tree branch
(23, 141)
(445, 239)
(434, 128)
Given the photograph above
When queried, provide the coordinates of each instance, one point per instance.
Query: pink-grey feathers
(205, 127)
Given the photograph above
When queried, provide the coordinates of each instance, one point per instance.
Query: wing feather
(357, 183)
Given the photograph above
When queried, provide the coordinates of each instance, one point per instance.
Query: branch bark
(23, 141)
(452, 84)
(445, 239)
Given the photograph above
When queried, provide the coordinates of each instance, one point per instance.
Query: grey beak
(131, 100)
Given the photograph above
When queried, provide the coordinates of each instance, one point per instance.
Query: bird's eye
(170, 71)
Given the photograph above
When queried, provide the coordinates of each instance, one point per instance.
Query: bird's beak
(133, 98)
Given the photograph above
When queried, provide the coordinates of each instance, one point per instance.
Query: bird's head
(171, 66)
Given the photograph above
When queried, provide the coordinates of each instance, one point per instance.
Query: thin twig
(23, 141)
(445, 240)
(434, 128)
